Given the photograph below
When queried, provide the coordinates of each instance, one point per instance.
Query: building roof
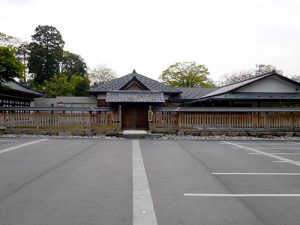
(135, 96)
(193, 93)
(265, 96)
(119, 83)
(18, 87)
(224, 109)
(228, 90)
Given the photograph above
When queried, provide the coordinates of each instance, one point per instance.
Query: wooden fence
(59, 120)
(225, 120)
(168, 120)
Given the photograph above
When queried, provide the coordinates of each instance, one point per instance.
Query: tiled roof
(118, 83)
(190, 93)
(15, 86)
(134, 96)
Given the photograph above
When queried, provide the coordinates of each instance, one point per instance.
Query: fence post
(178, 120)
(120, 117)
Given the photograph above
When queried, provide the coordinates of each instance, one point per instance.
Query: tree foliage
(235, 77)
(80, 85)
(9, 41)
(10, 67)
(63, 85)
(101, 74)
(46, 52)
(186, 74)
(73, 64)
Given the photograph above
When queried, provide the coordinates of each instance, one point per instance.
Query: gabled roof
(232, 87)
(18, 87)
(119, 83)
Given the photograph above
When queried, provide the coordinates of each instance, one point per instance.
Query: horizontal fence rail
(225, 120)
(59, 120)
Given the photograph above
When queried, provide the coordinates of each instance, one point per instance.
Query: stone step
(134, 133)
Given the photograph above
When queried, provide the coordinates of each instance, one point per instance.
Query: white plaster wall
(66, 101)
(268, 85)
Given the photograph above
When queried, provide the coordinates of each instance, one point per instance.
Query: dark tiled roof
(118, 83)
(193, 93)
(15, 86)
(134, 96)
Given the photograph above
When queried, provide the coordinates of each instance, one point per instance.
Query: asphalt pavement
(148, 182)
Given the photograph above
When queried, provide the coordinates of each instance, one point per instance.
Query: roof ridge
(256, 76)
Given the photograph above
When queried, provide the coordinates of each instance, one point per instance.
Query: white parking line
(275, 153)
(143, 209)
(280, 174)
(280, 158)
(283, 148)
(292, 142)
(20, 146)
(239, 195)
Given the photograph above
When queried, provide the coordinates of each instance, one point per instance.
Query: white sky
(150, 35)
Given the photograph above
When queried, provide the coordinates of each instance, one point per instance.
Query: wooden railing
(225, 120)
(168, 120)
(59, 120)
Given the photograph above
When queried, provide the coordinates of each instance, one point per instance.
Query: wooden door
(134, 116)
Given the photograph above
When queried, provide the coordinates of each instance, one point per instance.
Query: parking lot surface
(149, 182)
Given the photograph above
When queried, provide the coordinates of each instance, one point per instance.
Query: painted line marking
(286, 174)
(143, 209)
(280, 158)
(283, 148)
(274, 143)
(292, 142)
(275, 153)
(22, 145)
(240, 195)
(280, 161)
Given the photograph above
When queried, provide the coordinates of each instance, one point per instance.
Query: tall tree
(46, 52)
(10, 67)
(73, 64)
(186, 74)
(101, 74)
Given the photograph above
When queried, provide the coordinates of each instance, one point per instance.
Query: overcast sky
(150, 35)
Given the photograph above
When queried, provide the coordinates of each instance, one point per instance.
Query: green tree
(80, 85)
(186, 74)
(101, 74)
(46, 52)
(63, 85)
(10, 67)
(58, 85)
(73, 64)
